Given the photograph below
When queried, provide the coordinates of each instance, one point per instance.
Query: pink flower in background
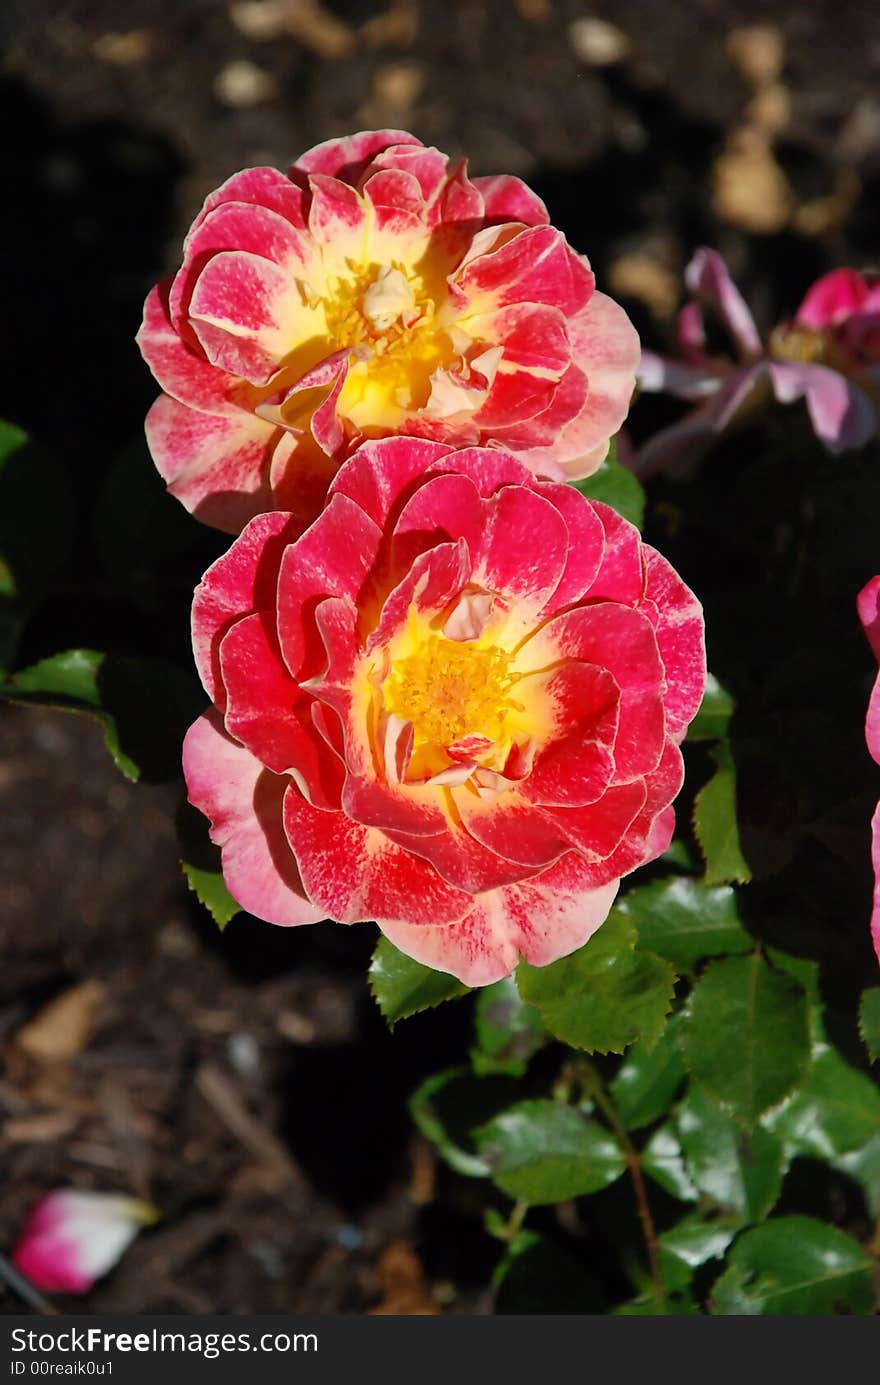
(453, 705)
(869, 614)
(375, 289)
(828, 355)
(72, 1238)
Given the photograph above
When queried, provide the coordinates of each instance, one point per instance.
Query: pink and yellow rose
(375, 289)
(452, 705)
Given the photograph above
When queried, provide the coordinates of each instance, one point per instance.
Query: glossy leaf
(145, 705)
(447, 1106)
(740, 1171)
(200, 862)
(745, 1035)
(716, 826)
(645, 1084)
(543, 1151)
(604, 996)
(663, 1160)
(685, 920)
(833, 1111)
(869, 1022)
(863, 1165)
(402, 987)
(508, 1031)
(690, 1244)
(795, 1266)
(713, 719)
(616, 486)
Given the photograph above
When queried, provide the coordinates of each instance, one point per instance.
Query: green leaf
(508, 1031)
(863, 1165)
(604, 996)
(145, 705)
(209, 887)
(200, 862)
(650, 1305)
(740, 1171)
(645, 1084)
(712, 721)
(715, 824)
(746, 1035)
(795, 1266)
(448, 1105)
(685, 920)
(662, 1160)
(869, 1022)
(689, 1244)
(542, 1152)
(617, 487)
(402, 987)
(833, 1111)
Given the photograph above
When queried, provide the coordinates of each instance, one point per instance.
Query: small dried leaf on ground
(598, 43)
(758, 50)
(750, 190)
(402, 1280)
(64, 1026)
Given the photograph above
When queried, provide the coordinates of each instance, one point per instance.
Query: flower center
(449, 689)
(387, 318)
(807, 347)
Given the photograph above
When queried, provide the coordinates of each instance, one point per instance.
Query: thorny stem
(596, 1088)
(20, 1286)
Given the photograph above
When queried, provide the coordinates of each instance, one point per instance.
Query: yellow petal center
(449, 689)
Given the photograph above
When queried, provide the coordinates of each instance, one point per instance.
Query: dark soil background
(245, 1082)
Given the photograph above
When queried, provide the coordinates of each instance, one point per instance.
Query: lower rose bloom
(453, 705)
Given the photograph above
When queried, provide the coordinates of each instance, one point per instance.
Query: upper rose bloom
(453, 706)
(73, 1237)
(869, 614)
(829, 355)
(374, 289)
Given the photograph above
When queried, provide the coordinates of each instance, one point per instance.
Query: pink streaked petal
(535, 338)
(511, 827)
(586, 545)
(411, 810)
(622, 641)
(300, 477)
(832, 299)
(428, 166)
(576, 765)
(621, 575)
(524, 549)
(244, 803)
(445, 508)
(270, 715)
(872, 721)
(598, 830)
(488, 468)
(238, 308)
(537, 266)
(506, 198)
(240, 582)
(540, 920)
(650, 831)
(515, 395)
(391, 189)
(356, 873)
(842, 415)
(565, 405)
(707, 278)
(337, 216)
(434, 581)
(380, 473)
(681, 641)
(467, 621)
(217, 465)
(262, 187)
(460, 859)
(332, 558)
(236, 226)
(181, 370)
(875, 860)
(348, 157)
